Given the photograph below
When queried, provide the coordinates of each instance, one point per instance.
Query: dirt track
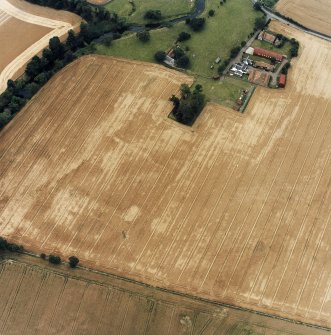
(314, 14)
(19, 52)
(236, 209)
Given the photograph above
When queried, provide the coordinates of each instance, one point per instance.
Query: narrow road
(59, 29)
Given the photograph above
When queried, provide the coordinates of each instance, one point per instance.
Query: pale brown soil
(235, 209)
(14, 38)
(47, 12)
(37, 298)
(314, 14)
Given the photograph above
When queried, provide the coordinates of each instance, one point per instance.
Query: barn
(268, 54)
(282, 80)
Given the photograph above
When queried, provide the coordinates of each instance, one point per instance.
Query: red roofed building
(268, 54)
(282, 80)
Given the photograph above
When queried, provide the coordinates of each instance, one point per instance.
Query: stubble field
(25, 30)
(236, 209)
(314, 14)
(41, 299)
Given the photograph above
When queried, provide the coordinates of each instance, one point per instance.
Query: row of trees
(6, 246)
(188, 107)
(53, 259)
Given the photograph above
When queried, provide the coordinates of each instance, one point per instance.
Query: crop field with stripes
(236, 208)
(47, 300)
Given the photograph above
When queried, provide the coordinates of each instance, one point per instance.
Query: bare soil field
(25, 30)
(235, 209)
(14, 39)
(37, 298)
(314, 14)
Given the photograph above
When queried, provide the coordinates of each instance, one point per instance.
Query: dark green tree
(160, 56)
(73, 261)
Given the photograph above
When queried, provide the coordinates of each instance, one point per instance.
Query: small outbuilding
(282, 81)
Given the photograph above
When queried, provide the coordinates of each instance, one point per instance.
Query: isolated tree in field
(54, 259)
(153, 14)
(183, 36)
(160, 56)
(73, 261)
(197, 24)
(143, 36)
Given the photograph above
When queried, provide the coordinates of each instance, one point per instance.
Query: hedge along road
(59, 28)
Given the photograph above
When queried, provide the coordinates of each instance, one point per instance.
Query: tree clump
(188, 107)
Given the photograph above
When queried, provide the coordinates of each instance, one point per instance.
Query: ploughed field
(236, 208)
(314, 14)
(41, 299)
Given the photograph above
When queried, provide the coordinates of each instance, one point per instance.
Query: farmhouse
(282, 80)
(268, 54)
(239, 69)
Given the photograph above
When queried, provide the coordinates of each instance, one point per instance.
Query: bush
(160, 56)
(143, 36)
(73, 261)
(54, 259)
(43, 256)
(13, 247)
(211, 12)
(183, 36)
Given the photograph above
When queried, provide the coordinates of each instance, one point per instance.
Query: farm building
(264, 66)
(282, 80)
(268, 54)
(267, 37)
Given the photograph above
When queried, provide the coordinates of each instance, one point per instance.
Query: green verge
(231, 24)
(134, 12)
(224, 92)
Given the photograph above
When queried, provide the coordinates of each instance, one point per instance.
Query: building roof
(264, 65)
(250, 51)
(268, 54)
(282, 80)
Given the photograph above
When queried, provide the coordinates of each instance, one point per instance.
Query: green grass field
(231, 25)
(168, 8)
(224, 92)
